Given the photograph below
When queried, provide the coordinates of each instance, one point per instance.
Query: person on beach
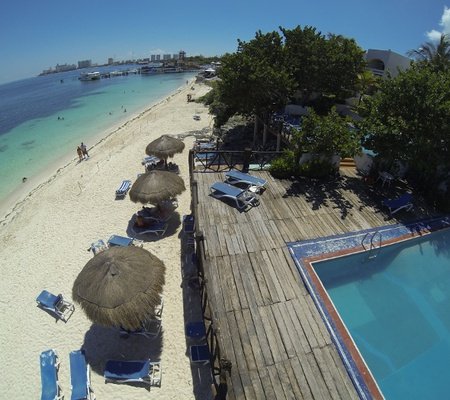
(80, 154)
(84, 151)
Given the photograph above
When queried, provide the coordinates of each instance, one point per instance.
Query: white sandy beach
(44, 243)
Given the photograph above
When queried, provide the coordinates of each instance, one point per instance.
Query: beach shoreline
(11, 204)
(44, 246)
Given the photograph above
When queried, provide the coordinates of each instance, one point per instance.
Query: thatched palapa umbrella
(165, 146)
(156, 186)
(120, 287)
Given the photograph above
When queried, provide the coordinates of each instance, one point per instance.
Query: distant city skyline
(37, 35)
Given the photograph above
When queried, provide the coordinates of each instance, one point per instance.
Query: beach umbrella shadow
(102, 344)
(172, 226)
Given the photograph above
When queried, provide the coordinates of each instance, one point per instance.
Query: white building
(384, 62)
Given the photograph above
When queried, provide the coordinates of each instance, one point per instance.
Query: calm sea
(44, 118)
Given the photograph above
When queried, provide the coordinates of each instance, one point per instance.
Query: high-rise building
(85, 64)
(175, 56)
(153, 57)
(158, 57)
(166, 57)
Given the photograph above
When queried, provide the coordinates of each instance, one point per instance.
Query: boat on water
(89, 76)
(151, 69)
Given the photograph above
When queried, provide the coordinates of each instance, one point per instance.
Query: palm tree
(436, 54)
(367, 84)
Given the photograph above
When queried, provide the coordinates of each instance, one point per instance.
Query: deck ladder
(374, 245)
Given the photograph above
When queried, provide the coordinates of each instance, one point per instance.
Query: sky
(36, 35)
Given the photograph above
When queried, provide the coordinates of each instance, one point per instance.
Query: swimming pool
(394, 303)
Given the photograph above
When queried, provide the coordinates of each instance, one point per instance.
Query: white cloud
(435, 35)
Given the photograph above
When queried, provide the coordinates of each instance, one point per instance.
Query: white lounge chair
(253, 183)
(241, 197)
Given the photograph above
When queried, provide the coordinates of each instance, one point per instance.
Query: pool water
(397, 309)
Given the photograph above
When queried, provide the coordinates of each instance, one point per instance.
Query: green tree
(367, 83)
(254, 79)
(327, 65)
(326, 135)
(438, 55)
(409, 120)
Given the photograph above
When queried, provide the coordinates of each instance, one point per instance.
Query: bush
(283, 167)
(317, 168)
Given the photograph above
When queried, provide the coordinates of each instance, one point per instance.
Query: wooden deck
(265, 321)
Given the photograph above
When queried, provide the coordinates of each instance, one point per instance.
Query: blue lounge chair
(253, 183)
(80, 377)
(123, 189)
(157, 228)
(400, 203)
(200, 354)
(241, 197)
(150, 160)
(49, 376)
(55, 305)
(150, 329)
(133, 371)
(188, 223)
(196, 330)
(116, 240)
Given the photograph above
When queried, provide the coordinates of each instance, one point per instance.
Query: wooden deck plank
(265, 320)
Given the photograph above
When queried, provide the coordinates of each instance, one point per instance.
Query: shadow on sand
(102, 344)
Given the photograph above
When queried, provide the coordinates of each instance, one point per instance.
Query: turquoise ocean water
(44, 118)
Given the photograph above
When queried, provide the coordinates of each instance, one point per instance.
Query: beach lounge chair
(116, 240)
(241, 197)
(98, 246)
(253, 183)
(143, 371)
(196, 330)
(49, 376)
(188, 223)
(55, 305)
(150, 160)
(200, 354)
(150, 329)
(123, 189)
(80, 377)
(158, 229)
(400, 203)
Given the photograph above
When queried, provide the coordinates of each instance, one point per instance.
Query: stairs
(347, 163)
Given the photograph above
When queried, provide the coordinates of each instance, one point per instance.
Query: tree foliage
(267, 71)
(409, 120)
(436, 55)
(327, 135)
(327, 65)
(253, 80)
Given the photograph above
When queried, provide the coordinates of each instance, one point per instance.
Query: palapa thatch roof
(120, 287)
(165, 146)
(156, 186)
